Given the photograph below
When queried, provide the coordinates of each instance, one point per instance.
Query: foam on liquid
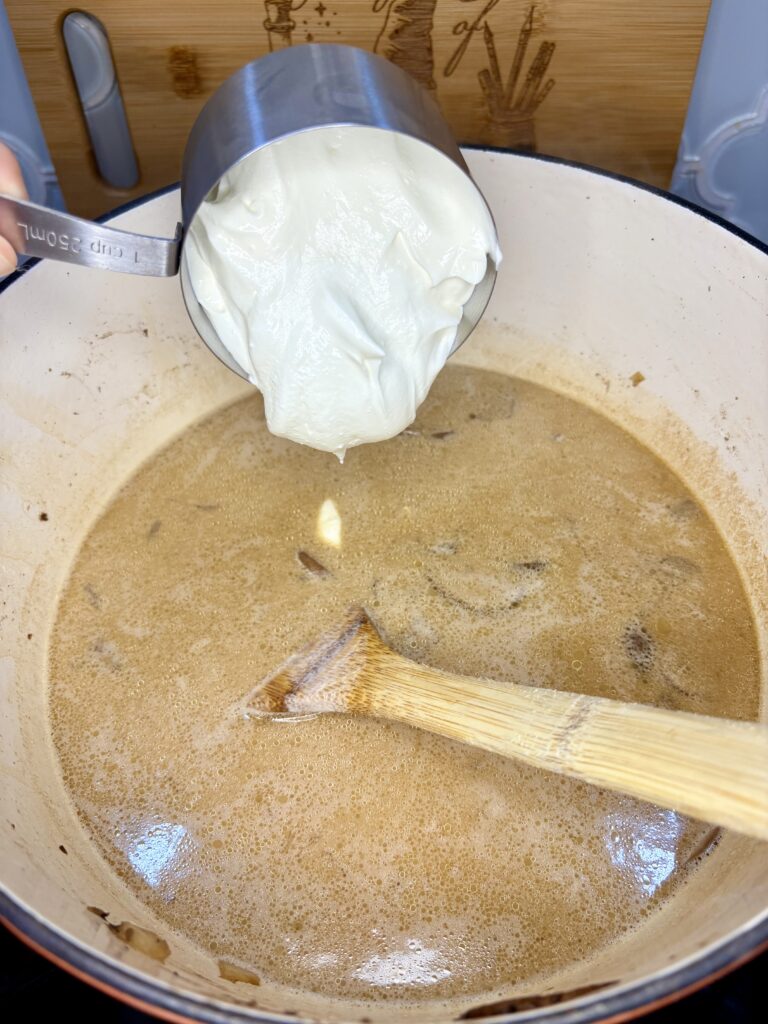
(511, 533)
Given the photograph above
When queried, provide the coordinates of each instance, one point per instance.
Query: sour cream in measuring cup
(334, 265)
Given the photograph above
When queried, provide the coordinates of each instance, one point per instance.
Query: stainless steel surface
(475, 305)
(39, 231)
(203, 325)
(293, 90)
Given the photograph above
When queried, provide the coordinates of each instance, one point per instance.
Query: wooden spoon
(710, 768)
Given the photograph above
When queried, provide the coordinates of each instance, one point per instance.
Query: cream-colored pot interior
(600, 280)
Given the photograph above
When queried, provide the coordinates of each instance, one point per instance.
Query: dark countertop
(29, 985)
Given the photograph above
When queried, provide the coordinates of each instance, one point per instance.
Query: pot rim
(154, 997)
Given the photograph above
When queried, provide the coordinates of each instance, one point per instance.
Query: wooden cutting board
(605, 82)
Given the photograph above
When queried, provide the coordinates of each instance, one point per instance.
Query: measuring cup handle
(39, 231)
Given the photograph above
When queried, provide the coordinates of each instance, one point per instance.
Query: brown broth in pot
(510, 533)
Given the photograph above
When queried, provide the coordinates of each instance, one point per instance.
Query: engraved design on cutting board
(404, 37)
(279, 23)
(285, 29)
(511, 103)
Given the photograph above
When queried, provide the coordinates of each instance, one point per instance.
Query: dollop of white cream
(334, 266)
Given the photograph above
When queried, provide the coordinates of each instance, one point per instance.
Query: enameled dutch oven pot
(612, 293)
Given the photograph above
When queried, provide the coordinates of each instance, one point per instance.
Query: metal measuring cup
(293, 90)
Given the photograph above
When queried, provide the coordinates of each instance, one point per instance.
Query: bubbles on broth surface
(510, 533)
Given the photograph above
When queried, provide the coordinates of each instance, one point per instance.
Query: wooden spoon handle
(710, 768)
